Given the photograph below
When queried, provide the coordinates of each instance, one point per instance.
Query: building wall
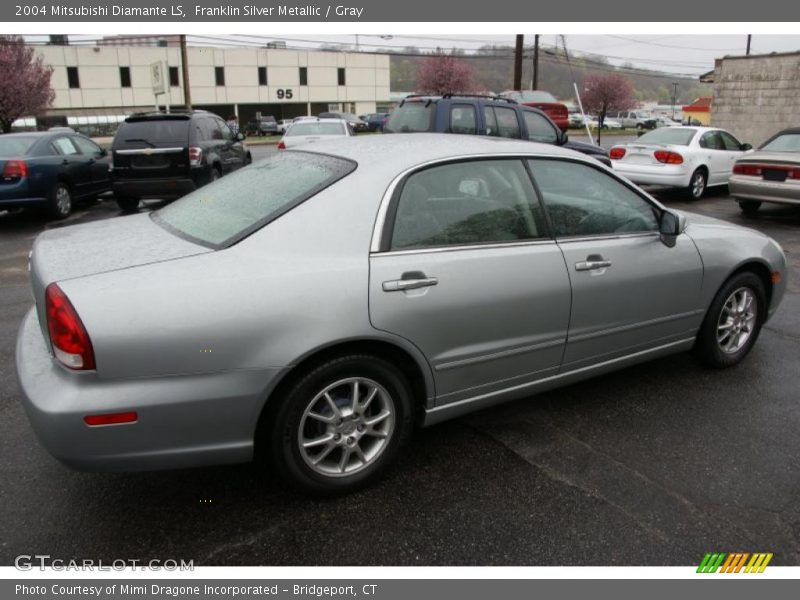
(702, 116)
(366, 77)
(757, 96)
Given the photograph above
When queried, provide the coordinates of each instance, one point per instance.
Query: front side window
(87, 146)
(730, 142)
(221, 214)
(539, 128)
(473, 202)
(584, 201)
(462, 119)
(65, 147)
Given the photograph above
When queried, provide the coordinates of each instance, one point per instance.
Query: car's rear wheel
(127, 204)
(733, 321)
(342, 424)
(697, 184)
(749, 207)
(60, 205)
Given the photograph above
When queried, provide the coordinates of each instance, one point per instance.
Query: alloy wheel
(737, 320)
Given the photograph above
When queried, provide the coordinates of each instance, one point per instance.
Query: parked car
(262, 126)
(662, 121)
(770, 174)
(355, 123)
(493, 116)
(544, 101)
(694, 158)
(319, 304)
(166, 155)
(283, 125)
(309, 131)
(608, 123)
(51, 170)
(376, 121)
(636, 119)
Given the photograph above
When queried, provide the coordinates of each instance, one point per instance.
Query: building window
(262, 75)
(303, 75)
(219, 75)
(173, 77)
(340, 75)
(72, 77)
(125, 77)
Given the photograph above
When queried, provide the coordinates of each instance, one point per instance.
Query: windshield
(788, 142)
(153, 131)
(15, 146)
(303, 128)
(230, 209)
(677, 136)
(411, 117)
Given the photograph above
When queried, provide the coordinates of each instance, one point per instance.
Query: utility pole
(748, 44)
(535, 76)
(674, 97)
(187, 92)
(518, 63)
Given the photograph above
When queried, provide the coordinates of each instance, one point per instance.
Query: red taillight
(616, 153)
(757, 170)
(71, 344)
(668, 158)
(111, 419)
(281, 145)
(195, 156)
(15, 169)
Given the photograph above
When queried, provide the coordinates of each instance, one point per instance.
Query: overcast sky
(687, 54)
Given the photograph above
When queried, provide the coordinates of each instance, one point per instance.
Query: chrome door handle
(590, 265)
(399, 285)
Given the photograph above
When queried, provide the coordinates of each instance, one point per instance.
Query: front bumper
(666, 175)
(755, 188)
(183, 420)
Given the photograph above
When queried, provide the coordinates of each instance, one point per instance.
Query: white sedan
(693, 158)
(314, 130)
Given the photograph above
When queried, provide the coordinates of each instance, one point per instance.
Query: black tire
(127, 204)
(60, 201)
(214, 174)
(708, 348)
(248, 159)
(287, 420)
(640, 127)
(698, 183)
(749, 207)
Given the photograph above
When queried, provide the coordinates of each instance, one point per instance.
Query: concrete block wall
(757, 96)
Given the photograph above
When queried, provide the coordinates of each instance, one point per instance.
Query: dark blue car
(51, 170)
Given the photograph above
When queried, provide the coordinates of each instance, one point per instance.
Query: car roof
(408, 150)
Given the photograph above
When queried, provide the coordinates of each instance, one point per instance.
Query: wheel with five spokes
(734, 321)
(341, 424)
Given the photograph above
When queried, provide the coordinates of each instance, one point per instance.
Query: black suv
(167, 155)
(262, 126)
(482, 115)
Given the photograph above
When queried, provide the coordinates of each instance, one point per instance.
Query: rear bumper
(753, 188)
(666, 175)
(18, 194)
(154, 188)
(183, 421)
(20, 202)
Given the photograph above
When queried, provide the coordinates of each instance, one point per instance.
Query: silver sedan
(318, 305)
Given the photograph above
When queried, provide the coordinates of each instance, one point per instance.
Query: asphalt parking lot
(654, 465)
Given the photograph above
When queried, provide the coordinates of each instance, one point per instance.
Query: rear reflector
(616, 153)
(775, 277)
(69, 338)
(668, 158)
(15, 169)
(112, 419)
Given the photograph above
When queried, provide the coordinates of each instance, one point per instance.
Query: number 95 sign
(284, 94)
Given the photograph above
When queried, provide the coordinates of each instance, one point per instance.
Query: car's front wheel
(341, 424)
(733, 321)
(749, 207)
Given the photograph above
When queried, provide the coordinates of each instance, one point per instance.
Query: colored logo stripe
(734, 562)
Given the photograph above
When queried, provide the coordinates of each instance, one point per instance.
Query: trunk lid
(645, 154)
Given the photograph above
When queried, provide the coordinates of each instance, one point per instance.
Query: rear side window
(228, 210)
(411, 117)
(462, 119)
(153, 131)
(507, 123)
(474, 202)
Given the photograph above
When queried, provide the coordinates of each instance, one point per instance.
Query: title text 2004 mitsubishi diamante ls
(319, 304)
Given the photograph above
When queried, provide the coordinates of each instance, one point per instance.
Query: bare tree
(26, 89)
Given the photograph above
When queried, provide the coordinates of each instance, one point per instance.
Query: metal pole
(535, 83)
(518, 63)
(674, 97)
(749, 37)
(187, 91)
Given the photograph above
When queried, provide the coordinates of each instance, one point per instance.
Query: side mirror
(102, 153)
(746, 147)
(239, 137)
(669, 226)
(563, 138)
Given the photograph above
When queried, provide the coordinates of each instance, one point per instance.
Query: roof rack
(487, 96)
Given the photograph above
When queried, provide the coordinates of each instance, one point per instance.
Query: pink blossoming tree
(25, 90)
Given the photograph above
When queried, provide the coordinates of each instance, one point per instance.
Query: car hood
(694, 221)
(585, 148)
(771, 157)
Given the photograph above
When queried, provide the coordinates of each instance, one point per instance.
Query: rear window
(533, 96)
(153, 131)
(788, 142)
(230, 209)
(411, 117)
(304, 128)
(668, 135)
(15, 146)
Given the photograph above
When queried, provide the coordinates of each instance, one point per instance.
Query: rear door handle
(410, 281)
(592, 263)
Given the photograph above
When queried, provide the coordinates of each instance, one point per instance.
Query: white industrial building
(102, 83)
